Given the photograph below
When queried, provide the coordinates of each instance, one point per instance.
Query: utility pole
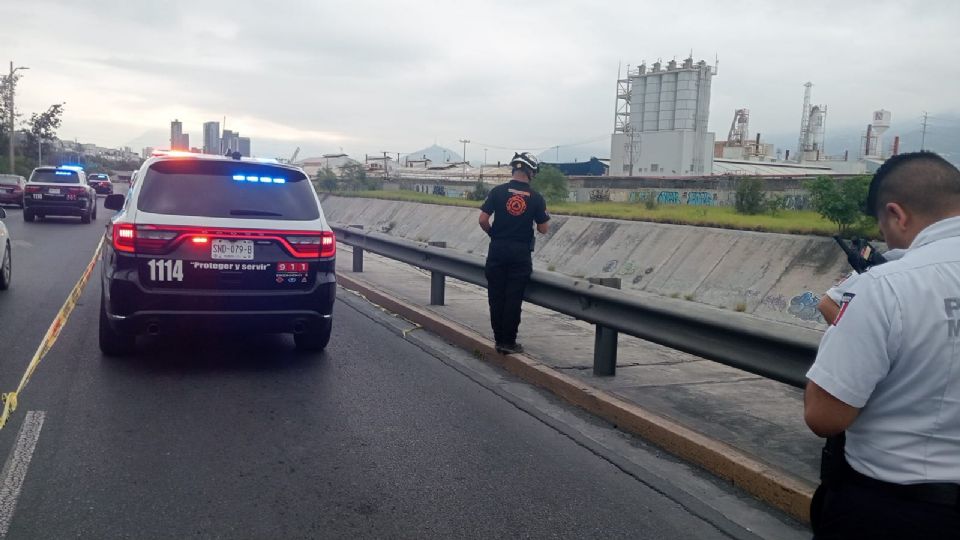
(385, 175)
(11, 82)
(923, 133)
(464, 141)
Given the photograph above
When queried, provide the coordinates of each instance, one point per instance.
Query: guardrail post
(605, 340)
(437, 281)
(357, 253)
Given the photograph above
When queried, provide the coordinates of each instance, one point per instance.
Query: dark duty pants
(851, 512)
(508, 270)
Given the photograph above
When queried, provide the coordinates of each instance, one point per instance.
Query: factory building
(660, 126)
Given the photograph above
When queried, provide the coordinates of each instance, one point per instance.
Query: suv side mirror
(114, 202)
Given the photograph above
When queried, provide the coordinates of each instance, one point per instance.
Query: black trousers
(508, 269)
(850, 511)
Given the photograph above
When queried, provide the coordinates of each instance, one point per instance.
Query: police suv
(213, 244)
(59, 191)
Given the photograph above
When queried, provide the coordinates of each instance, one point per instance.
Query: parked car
(59, 191)
(100, 183)
(11, 189)
(6, 257)
(211, 243)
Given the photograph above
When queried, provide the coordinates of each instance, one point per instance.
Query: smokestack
(846, 155)
(869, 135)
(787, 156)
(896, 145)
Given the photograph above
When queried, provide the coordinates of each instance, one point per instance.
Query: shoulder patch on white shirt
(844, 302)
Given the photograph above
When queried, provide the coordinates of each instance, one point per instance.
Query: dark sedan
(11, 189)
(100, 183)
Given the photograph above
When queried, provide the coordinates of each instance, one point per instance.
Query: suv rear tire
(314, 341)
(113, 343)
(85, 217)
(27, 215)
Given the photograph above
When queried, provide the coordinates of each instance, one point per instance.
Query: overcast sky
(371, 76)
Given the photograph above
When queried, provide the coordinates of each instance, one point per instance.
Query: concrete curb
(775, 487)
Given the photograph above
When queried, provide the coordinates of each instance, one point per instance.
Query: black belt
(939, 493)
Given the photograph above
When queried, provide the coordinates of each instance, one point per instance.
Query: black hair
(933, 183)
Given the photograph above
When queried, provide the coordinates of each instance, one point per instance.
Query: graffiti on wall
(700, 198)
(795, 202)
(638, 196)
(804, 307)
(668, 197)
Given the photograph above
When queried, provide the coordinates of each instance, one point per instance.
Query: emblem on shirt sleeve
(844, 302)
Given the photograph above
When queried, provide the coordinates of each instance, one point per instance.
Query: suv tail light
(32, 189)
(159, 239)
(314, 245)
(123, 236)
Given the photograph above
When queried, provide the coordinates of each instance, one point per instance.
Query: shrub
(749, 197)
(841, 201)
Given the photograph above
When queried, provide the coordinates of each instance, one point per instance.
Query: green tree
(552, 184)
(479, 193)
(326, 179)
(749, 198)
(42, 128)
(841, 201)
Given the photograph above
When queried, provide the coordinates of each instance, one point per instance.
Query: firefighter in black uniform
(516, 207)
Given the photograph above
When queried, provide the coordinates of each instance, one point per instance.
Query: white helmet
(525, 162)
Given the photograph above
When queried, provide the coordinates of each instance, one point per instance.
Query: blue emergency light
(259, 179)
(71, 167)
(64, 173)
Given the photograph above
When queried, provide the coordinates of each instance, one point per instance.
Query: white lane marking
(15, 470)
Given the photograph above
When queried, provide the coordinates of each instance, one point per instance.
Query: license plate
(37, 195)
(235, 250)
(53, 191)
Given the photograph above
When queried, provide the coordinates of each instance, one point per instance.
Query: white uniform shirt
(835, 293)
(894, 352)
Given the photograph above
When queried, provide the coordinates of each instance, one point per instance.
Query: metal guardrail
(765, 348)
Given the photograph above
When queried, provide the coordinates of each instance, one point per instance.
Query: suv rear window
(7, 180)
(57, 176)
(227, 190)
(98, 177)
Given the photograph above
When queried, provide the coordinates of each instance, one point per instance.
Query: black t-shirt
(515, 206)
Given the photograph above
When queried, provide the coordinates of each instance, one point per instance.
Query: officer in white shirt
(829, 305)
(888, 369)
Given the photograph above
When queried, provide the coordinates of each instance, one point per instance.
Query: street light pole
(464, 141)
(10, 92)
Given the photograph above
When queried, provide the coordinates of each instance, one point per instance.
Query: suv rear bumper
(130, 308)
(57, 208)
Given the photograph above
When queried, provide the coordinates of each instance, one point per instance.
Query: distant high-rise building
(184, 142)
(230, 141)
(211, 138)
(243, 146)
(176, 136)
(147, 152)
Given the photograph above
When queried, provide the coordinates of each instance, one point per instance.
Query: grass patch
(724, 217)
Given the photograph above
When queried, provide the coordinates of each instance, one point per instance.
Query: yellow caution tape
(10, 398)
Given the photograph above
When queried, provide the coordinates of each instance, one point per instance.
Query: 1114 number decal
(165, 270)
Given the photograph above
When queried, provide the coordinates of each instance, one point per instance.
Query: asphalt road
(243, 437)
